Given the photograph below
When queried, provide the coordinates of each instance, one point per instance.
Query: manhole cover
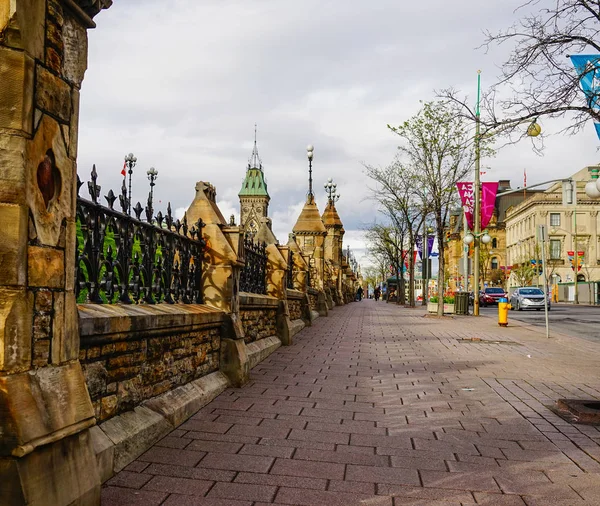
(579, 411)
(478, 340)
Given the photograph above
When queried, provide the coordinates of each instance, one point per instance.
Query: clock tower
(254, 197)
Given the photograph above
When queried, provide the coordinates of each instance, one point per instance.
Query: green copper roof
(254, 184)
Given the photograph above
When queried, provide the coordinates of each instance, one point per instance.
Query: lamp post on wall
(309, 154)
(130, 162)
(152, 176)
(330, 190)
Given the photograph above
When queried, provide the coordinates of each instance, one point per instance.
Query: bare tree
(395, 191)
(538, 79)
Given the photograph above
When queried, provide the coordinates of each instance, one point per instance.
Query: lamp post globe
(592, 189)
(469, 238)
(485, 238)
(534, 129)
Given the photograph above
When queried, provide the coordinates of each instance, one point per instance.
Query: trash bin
(461, 302)
(503, 307)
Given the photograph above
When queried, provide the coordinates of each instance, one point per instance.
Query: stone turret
(333, 250)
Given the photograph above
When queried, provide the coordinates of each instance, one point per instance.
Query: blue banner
(588, 68)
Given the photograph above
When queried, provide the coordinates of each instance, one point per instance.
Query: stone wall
(313, 298)
(258, 314)
(295, 307)
(132, 353)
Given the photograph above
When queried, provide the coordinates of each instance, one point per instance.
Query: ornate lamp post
(130, 162)
(152, 176)
(309, 154)
(330, 189)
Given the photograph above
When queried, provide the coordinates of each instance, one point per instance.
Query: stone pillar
(221, 278)
(46, 455)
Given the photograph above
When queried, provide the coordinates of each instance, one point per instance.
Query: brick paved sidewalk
(379, 405)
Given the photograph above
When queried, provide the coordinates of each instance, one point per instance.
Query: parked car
(490, 295)
(528, 298)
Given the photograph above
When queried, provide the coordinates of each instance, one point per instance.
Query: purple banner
(430, 239)
(488, 202)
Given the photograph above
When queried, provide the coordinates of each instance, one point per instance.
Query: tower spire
(254, 162)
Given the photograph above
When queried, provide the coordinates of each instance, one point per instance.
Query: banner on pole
(488, 202)
(465, 191)
(588, 68)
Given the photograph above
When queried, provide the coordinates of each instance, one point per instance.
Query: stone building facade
(571, 228)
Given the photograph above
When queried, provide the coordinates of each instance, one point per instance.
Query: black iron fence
(253, 278)
(120, 258)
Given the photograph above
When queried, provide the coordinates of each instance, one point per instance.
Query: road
(581, 321)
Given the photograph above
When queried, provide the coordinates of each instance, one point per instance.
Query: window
(494, 243)
(555, 249)
(555, 219)
(494, 263)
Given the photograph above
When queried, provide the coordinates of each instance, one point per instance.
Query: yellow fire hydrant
(503, 307)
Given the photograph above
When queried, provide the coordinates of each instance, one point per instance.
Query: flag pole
(477, 195)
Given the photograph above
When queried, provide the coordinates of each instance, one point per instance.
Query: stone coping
(256, 300)
(294, 294)
(96, 321)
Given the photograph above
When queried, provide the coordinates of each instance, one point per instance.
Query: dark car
(528, 298)
(489, 296)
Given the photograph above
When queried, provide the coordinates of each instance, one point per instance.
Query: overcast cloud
(181, 84)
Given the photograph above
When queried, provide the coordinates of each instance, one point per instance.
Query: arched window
(580, 278)
(494, 243)
(494, 262)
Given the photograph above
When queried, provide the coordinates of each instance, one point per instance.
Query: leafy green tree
(437, 143)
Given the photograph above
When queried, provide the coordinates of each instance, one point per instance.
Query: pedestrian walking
(377, 293)
(359, 293)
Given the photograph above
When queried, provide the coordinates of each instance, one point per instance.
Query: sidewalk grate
(578, 410)
(478, 340)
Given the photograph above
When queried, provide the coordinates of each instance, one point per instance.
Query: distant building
(254, 197)
(572, 233)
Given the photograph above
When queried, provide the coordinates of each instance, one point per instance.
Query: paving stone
(214, 446)
(292, 467)
(371, 474)
(129, 479)
(281, 480)
(185, 486)
(236, 462)
(189, 500)
(482, 482)
(267, 451)
(163, 455)
(319, 436)
(242, 491)
(117, 496)
(190, 472)
(174, 442)
(300, 497)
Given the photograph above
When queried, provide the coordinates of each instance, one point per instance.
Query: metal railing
(120, 258)
(253, 278)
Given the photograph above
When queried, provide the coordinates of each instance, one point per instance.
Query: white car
(528, 298)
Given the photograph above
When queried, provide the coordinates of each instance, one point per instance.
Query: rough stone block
(46, 267)
(182, 402)
(133, 433)
(34, 406)
(13, 246)
(12, 175)
(105, 453)
(16, 313)
(53, 95)
(261, 349)
(63, 472)
(16, 100)
(234, 361)
(74, 37)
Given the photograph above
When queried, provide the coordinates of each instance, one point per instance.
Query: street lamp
(152, 176)
(330, 189)
(309, 154)
(130, 162)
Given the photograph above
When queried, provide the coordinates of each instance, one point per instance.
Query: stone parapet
(133, 353)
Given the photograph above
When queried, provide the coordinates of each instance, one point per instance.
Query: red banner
(488, 202)
(465, 190)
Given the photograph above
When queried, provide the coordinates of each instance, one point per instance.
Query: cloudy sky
(182, 83)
